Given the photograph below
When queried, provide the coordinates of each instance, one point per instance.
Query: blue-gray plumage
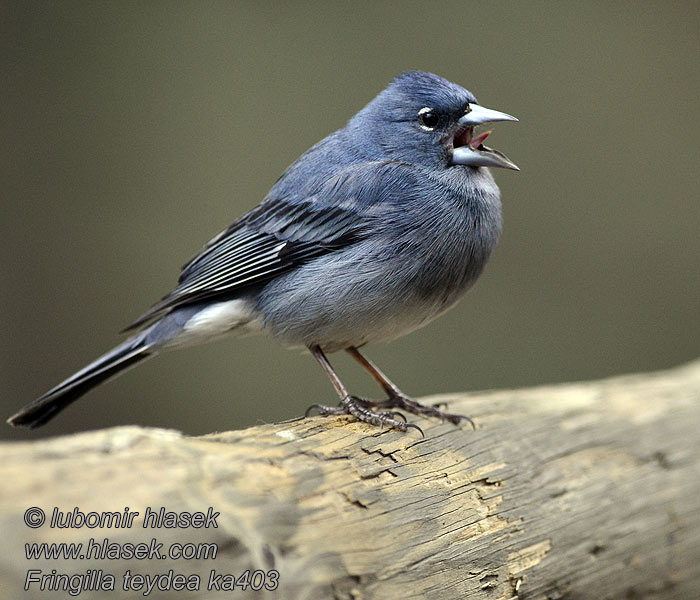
(373, 232)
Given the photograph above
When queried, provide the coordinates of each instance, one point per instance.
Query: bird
(373, 232)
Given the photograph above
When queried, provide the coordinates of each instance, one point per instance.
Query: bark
(586, 490)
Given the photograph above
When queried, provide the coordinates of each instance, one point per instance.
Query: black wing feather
(277, 235)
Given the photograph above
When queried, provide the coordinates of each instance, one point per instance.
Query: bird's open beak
(470, 150)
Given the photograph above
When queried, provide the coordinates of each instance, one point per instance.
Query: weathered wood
(587, 490)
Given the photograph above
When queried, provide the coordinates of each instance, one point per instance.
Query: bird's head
(424, 119)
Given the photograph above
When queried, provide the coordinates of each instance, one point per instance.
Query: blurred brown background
(134, 132)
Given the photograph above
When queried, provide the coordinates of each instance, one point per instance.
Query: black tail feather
(54, 401)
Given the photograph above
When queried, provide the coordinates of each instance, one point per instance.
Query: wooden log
(587, 490)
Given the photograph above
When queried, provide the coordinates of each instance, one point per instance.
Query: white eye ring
(422, 114)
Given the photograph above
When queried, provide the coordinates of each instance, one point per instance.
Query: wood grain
(586, 490)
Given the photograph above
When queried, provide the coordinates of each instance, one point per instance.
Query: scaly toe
(325, 410)
(360, 409)
(410, 405)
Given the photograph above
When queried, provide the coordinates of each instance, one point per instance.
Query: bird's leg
(357, 407)
(397, 399)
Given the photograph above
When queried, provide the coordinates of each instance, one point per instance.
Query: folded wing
(281, 233)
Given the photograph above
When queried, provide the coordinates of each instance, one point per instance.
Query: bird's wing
(279, 234)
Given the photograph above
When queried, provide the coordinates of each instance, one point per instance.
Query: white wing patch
(219, 319)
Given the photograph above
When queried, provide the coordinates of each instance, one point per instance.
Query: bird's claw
(452, 418)
(460, 417)
(408, 404)
(392, 414)
(413, 426)
(360, 409)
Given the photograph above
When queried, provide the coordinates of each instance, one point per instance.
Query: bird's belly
(341, 303)
(387, 327)
(356, 329)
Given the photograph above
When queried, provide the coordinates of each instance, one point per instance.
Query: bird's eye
(428, 119)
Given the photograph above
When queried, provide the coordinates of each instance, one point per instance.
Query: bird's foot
(399, 400)
(362, 411)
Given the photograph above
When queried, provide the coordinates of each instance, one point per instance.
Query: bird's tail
(108, 365)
